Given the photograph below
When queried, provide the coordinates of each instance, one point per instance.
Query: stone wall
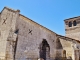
(7, 22)
(22, 39)
(30, 37)
(67, 47)
(72, 48)
(4, 31)
(73, 31)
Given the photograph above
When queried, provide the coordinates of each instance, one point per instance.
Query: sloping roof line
(41, 25)
(72, 18)
(26, 18)
(67, 38)
(36, 23)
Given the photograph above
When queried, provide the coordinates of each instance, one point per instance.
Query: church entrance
(44, 50)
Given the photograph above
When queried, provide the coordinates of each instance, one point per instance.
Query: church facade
(23, 39)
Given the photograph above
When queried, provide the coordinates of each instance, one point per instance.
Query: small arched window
(74, 23)
(70, 24)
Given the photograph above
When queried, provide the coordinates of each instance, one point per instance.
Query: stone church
(23, 39)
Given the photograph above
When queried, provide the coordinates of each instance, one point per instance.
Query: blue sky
(49, 13)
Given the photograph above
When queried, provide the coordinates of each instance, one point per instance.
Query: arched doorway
(44, 50)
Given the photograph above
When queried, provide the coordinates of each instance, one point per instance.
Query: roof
(67, 38)
(72, 18)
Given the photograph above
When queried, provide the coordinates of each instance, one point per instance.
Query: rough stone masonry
(23, 39)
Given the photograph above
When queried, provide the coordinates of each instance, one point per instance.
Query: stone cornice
(77, 19)
(74, 18)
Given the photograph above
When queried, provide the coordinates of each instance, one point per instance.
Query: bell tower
(72, 27)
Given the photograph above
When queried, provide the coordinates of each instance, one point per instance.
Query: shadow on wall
(60, 52)
(58, 44)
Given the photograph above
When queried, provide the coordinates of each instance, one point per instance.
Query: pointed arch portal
(44, 50)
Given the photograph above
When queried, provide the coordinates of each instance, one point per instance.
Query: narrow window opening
(70, 24)
(74, 23)
(17, 31)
